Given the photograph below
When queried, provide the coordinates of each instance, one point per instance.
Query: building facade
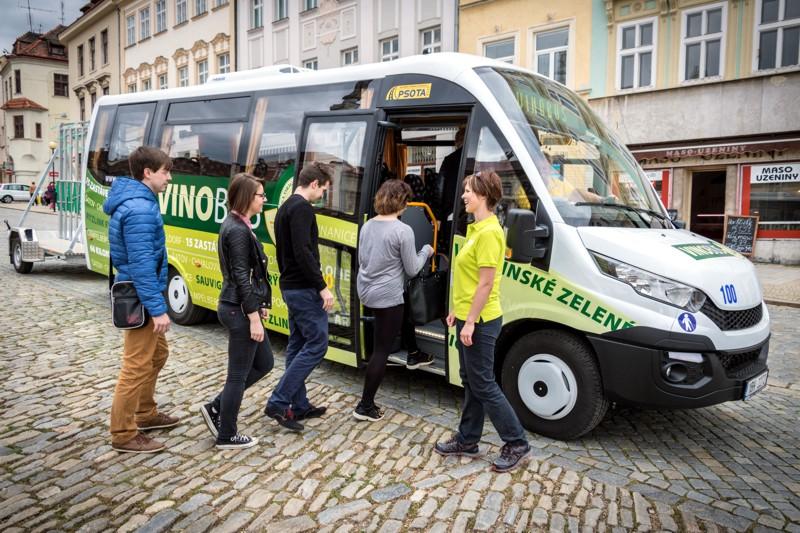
(705, 93)
(331, 33)
(93, 46)
(175, 43)
(35, 91)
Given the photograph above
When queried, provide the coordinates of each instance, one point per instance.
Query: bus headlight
(651, 285)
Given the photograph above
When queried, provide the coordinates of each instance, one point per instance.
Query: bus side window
(493, 154)
(98, 148)
(130, 130)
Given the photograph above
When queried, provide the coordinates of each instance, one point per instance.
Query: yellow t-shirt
(485, 247)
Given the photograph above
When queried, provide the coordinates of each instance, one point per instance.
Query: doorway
(708, 204)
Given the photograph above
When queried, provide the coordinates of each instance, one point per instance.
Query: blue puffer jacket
(136, 237)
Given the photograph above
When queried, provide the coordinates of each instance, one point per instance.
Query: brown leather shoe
(159, 421)
(141, 443)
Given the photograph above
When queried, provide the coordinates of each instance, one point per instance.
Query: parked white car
(10, 192)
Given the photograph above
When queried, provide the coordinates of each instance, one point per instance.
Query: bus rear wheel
(552, 380)
(179, 302)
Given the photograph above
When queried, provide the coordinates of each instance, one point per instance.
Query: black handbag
(127, 311)
(425, 296)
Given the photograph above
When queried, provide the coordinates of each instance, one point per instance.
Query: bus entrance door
(347, 141)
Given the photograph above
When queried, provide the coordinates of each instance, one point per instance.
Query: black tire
(23, 267)
(556, 348)
(6, 199)
(179, 301)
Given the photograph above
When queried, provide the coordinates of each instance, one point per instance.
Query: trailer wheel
(6, 199)
(552, 380)
(23, 267)
(179, 301)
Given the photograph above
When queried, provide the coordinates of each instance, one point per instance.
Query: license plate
(754, 385)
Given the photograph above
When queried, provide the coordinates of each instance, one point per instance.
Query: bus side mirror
(673, 217)
(523, 236)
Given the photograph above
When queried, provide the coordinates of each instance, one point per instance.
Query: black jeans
(387, 325)
(482, 394)
(248, 361)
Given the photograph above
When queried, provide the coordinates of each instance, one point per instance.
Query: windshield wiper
(631, 209)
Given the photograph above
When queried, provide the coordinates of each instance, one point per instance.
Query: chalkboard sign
(739, 233)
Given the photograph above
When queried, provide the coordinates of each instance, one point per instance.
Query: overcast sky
(14, 17)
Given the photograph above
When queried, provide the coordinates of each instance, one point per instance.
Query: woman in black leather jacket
(245, 300)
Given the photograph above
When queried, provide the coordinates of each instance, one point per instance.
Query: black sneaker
(311, 412)
(211, 418)
(372, 414)
(285, 418)
(417, 359)
(455, 447)
(510, 456)
(237, 442)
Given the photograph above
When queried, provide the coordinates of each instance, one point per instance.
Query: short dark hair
(241, 190)
(392, 197)
(486, 183)
(148, 157)
(315, 171)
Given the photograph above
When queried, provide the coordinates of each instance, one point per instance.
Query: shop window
(774, 195)
(703, 42)
(777, 34)
(636, 54)
(551, 54)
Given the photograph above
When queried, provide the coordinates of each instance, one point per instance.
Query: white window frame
(147, 84)
(256, 14)
(183, 81)
(393, 55)
(702, 39)
(163, 81)
(281, 9)
(310, 4)
(131, 87)
(200, 7)
(226, 68)
(499, 38)
(352, 54)
(434, 44)
(312, 63)
(569, 48)
(144, 23)
(161, 16)
(178, 11)
(130, 29)
(202, 71)
(780, 25)
(636, 51)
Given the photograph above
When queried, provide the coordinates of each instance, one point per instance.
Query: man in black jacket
(306, 295)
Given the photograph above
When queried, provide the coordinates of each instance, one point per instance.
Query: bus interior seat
(418, 216)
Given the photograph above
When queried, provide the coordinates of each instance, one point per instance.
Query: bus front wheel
(179, 301)
(552, 380)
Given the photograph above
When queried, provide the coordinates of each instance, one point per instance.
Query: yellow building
(705, 93)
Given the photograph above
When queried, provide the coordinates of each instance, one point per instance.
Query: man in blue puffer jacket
(138, 252)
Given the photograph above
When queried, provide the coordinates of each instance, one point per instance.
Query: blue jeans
(248, 362)
(482, 394)
(308, 342)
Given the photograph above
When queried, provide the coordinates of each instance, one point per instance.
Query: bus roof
(446, 65)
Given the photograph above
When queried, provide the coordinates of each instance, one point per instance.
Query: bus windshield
(590, 175)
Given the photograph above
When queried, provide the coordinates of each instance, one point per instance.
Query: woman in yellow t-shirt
(478, 319)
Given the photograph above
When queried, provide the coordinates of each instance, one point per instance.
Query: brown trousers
(144, 354)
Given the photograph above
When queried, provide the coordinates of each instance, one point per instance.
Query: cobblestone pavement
(735, 466)
(780, 283)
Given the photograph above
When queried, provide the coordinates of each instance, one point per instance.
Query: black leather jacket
(244, 267)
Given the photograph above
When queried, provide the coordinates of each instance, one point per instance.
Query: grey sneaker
(455, 447)
(511, 456)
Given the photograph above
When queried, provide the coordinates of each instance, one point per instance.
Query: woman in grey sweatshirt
(387, 257)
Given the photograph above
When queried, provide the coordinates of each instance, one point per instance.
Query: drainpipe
(234, 67)
(455, 37)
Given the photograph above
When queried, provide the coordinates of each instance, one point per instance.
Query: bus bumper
(677, 372)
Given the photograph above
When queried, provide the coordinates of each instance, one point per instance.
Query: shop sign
(775, 173)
